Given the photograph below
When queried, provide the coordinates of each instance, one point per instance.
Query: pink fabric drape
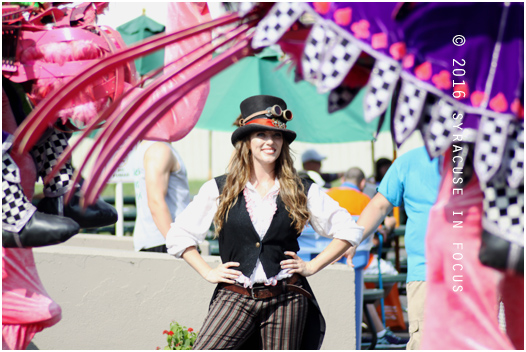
(463, 295)
(26, 306)
(180, 120)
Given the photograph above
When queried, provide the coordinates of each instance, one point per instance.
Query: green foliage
(194, 186)
(179, 337)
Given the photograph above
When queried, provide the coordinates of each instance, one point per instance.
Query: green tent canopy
(137, 30)
(260, 75)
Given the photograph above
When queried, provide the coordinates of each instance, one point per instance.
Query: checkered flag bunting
(409, 110)
(245, 7)
(380, 88)
(502, 244)
(46, 155)
(7, 141)
(490, 146)
(440, 128)
(10, 171)
(425, 119)
(504, 206)
(278, 20)
(341, 97)
(16, 208)
(514, 160)
(462, 162)
(320, 38)
(337, 62)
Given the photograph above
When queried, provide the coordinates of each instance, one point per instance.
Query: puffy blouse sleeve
(329, 219)
(192, 224)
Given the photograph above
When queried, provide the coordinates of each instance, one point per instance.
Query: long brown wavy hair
(292, 192)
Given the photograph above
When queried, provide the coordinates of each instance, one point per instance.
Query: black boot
(99, 214)
(41, 230)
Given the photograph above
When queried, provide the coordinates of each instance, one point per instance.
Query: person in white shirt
(259, 209)
(161, 194)
(312, 160)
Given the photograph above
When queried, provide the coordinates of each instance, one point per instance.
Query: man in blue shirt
(414, 179)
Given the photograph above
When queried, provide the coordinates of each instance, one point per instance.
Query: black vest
(239, 241)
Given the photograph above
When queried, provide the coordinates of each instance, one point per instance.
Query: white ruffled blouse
(326, 217)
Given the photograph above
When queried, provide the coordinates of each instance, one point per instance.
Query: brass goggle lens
(276, 111)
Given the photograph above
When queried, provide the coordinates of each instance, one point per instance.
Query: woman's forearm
(373, 214)
(332, 252)
(192, 257)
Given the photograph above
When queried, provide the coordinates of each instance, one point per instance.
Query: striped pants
(233, 317)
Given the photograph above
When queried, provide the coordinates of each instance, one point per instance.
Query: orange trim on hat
(268, 122)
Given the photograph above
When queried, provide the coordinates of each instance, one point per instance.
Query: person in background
(161, 194)
(259, 208)
(380, 168)
(415, 179)
(312, 160)
(351, 197)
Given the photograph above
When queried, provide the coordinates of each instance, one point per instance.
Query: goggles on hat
(275, 111)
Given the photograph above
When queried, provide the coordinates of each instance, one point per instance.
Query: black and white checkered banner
(245, 7)
(462, 162)
(409, 108)
(46, 155)
(16, 208)
(7, 141)
(438, 132)
(337, 63)
(320, 38)
(504, 206)
(10, 171)
(514, 155)
(490, 146)
(340, 97)
(278, 20)
(380, 87)
(425, 120)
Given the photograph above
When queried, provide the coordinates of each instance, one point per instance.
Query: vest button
(258, 244)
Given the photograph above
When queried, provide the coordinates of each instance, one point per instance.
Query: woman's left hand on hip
(296, 265)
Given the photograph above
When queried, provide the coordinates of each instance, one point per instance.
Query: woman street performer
(259, 209)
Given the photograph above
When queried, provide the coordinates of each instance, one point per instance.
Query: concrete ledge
(116, 299)
(100, 241)
(113, 242)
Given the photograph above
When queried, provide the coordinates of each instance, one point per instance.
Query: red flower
(343, 16)
(517, 108)
(361, 29)
(461, 88)
(178, 344)
(171, 333)
(424, 71)
(442, 80)
(499, 103)
(322, 7)
(408, 61)
(477, 98)
(398, 50)
(190, 329)
(379, 41)
(158, 348)
(165, 332)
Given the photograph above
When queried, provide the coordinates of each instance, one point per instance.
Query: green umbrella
(312, 122)
(137, 30)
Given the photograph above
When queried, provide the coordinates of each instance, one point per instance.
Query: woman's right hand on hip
(223, 273)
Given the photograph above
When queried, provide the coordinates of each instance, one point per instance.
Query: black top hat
(264, 112)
